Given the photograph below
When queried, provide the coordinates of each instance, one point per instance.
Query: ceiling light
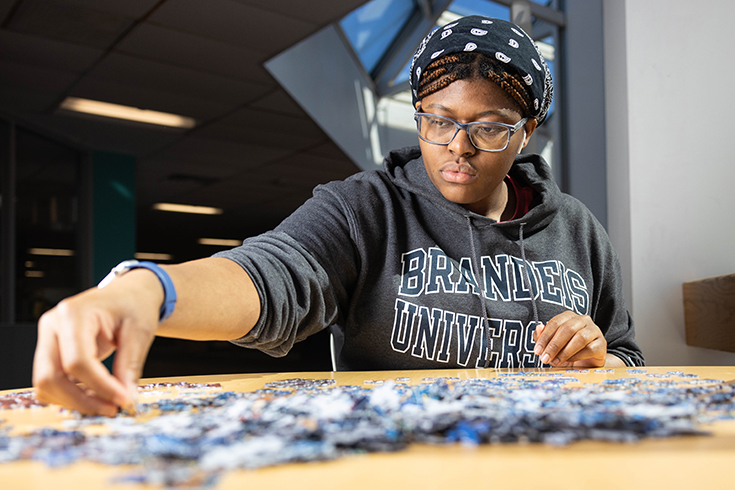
(56, 252)
(34, 274)
(128, 113)
(186, 208)
(152, 256)
(220, 242)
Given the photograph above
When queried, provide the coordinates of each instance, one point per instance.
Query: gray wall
(668, 66)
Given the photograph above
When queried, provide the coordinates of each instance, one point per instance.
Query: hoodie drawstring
(483, 320)
(526, 280)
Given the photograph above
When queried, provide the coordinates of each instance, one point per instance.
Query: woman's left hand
(571, 340)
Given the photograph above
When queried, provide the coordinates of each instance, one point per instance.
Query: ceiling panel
(195, 52)
(127, 8)
(47, 53)
(279, 101)
(228, 154)
(18, 101)
(279, 122)
(147, 98)
(5, 7)
(318, 10)
(92, 133)
(330, 150)
(234, 23)
(291, 141)
(299, 172)
(42, 79)
(229, 193)
(138, 72)
(65, 22)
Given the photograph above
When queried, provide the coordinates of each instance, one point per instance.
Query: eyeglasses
(485, 136)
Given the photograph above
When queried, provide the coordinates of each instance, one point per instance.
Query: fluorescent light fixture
(56, 252)
(446, 17)
(220, 242)
(128, 113)
(547, 50)
(186, 208)
(34, 274)
(152, 256)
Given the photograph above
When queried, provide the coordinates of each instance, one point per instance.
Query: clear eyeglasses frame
(485, 136)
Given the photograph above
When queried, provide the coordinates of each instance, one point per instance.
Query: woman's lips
(457, 173)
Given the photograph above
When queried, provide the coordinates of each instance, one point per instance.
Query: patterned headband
(505, 43)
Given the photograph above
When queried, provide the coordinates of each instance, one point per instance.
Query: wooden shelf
(709, 313)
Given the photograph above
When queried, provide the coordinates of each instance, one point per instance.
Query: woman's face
(461, 172)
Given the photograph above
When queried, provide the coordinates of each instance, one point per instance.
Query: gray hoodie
(398, 272)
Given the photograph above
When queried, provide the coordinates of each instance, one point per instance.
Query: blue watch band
(169, 291)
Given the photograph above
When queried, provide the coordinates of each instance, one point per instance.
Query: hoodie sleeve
(610, 312)
(303, 272)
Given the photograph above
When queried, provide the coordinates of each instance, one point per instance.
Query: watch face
(119, 269)
(125, 265)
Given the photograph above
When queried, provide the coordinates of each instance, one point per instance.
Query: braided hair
(465, 66)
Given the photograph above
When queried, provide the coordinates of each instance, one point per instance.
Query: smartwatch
(169, 292)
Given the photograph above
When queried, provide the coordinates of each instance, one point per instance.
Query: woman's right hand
(81, 331)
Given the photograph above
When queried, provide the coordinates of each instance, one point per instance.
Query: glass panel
(46, 220)
(479, 7)
(373, 27)
(547, 3)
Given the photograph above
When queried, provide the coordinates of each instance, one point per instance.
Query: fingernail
(537, 350)
(545, 359)
(130, 409)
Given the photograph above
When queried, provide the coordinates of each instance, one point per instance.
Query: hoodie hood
(405, 167)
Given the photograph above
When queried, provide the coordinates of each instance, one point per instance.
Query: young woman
(460, 253)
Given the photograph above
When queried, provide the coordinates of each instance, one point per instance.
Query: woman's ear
(528, 130)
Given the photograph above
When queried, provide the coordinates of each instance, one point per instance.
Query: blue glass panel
(480, 7)
(373, 27)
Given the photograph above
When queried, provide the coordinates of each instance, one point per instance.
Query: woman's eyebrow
(507, 113)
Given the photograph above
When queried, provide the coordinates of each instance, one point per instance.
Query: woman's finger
(54, 386)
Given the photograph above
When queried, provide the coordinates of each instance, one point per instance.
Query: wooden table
(673, 463)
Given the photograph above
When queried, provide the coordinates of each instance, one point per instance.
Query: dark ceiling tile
(261, 137)
(148, 74)
(5, 7)
(286, 124)
(234, 23)
(129, 8)
(225, 154)
(111, 136)
(279, 101)
(44, 52)
(301, 171)
(15, 75)
(66, 22)
(330, 150)
(230, 193)
(319, 12)
(20, 100)
(195, 52)
(147, 98)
